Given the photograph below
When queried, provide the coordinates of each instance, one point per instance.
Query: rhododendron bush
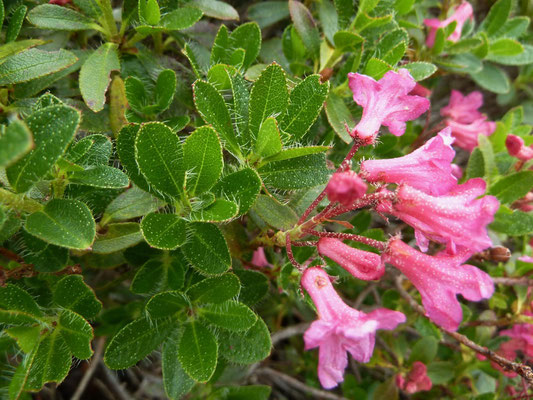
(326, 199)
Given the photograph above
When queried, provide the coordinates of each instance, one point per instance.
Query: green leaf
(420, 70)
(492, 78)
(45, 257)
(118, 237)
(53, 128)
(441, 372)
(346, 41)
(66, 223)
(269, 97)
(175, 380)
(182, 18)
(215, 290)
(159, 155)
(149, 12)
(248, 37)
(95, 75)
(198, 351)
(241, 187)
(132, 203)
(34, 63)
(77, 333)
(424, 350)
(166, 304)
(392, 46)
(51, 16)
(463, 46)
(345, 12)
(101, 176)
(512, 187)
(514, 27)
(305, 103)
(135, 341)
(17, 307)
(251, 392)
(27, 337)
(219, 211)
(206, 249)
(220, 49)
(73, 294)
(496, 17)
(512, 223)
(305, 26)
(155, 276)
(524, 58)
(95, 150)
(202, 153)
(267, 13)
(229, 315)
(126, 152)
(268, 142)
(165, 88)
(241, 101)
(339, 116)
(296, 173)
(15, 141)
(505, 47)
(217, 9)
(15, 23)
(376, 68)
(164, 231)
(11, 48)
(246, 347)
(213, 109)
(275, 214)
(254, 286)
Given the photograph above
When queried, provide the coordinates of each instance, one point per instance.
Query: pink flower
(259, 259)
(466, 135)
(340, 328)
(457, 171)
(439, 279)
(463, 109)
(521, 339)
(516, 148)
(526, 259)
(361, 264)
(416, 380)
(428, 168)
(461, 15)
(458, 219)
(385, 102)
(345, 187)
(420, 90)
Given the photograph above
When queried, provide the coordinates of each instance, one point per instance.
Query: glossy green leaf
(55, 17)
(77, 333)
(512, 223)
(214, 111)
(376, 68)
(198, 351)
(149, 12)
(166, 304)
(505, 47)
(118, 237)
(246, 347)
(240, 102)
(268, 141)
(215, 290)
(101, 176)
(305, 26)
(164, 231)
(254, 286)
(269, 97)
(339, 116)
(241, 187)
(497, 16)
(34, 63)
(45, 257)
(219, 211)
(126, 151)
(345, 41)
(202, 153)
(15, 141)
(206, 249)
(182, 18)
(305, 102)
(275, 214)
(66, 223)
(155, 276)
(175, 380)
(512, 187)
(165, 88)
(217, 9)
(15, 23)
(27, 337)
(221, 47)
(72, 293)
(95, 75)
(17, 307)
(424, 350)
(247, 37)
(132, 203)
(420, 70)
(159, 155)
(135, 341)
(230, 315)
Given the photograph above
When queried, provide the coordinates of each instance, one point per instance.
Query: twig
(113, 382)
(522, 281)
(521, 369)
(317, 393)
(289, 332)
(307, 243)
(90, 371)
(293, 261)
(362, 296)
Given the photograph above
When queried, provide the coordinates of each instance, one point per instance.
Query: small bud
(345, 187)
(499, 254)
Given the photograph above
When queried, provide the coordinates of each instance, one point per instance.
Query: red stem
(366, 200)
(293, 261)
(349, 236)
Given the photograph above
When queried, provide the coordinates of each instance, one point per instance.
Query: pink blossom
(526, 259)
(420, 90)
(466, 135)
(416, 380)
(460, 15)
(439, 279)
(463, 109)
(458, 219)
(259, 258)
(516, 148)
(428, 168)
(457, 171)
(345, 187)
(521, 339)
(361, 264)
(340, 328)
(385, 102)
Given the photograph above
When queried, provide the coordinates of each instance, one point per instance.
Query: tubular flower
(420, 90)
(340, 328)
(361, 264)
(458, 219)
(259, 258)
(439, 279)
(385, 102)
(345, 187)
(464, 109)
(466, 135)
(428, 168)
(460, 15)
(416, 380)
(516, 148)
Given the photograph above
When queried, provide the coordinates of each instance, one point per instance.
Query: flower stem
(349, 236)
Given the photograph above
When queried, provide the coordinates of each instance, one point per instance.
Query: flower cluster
(416, 380)
(422, 190)
(460, 15)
